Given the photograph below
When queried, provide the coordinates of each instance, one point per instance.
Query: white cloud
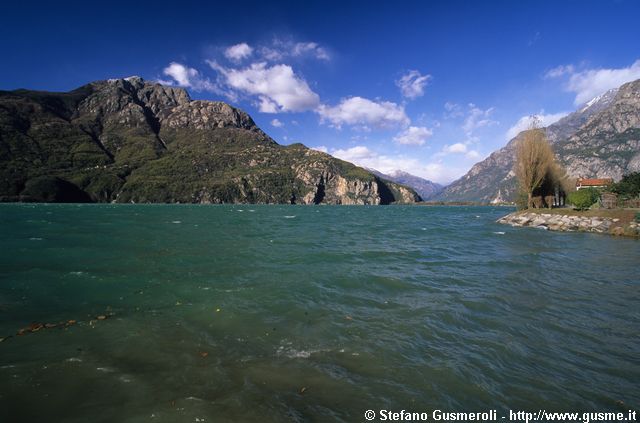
(473, 155)
(238, 52)
(321, 148)
(354, 154)
(300, 49)
(280, 49)
(452, 110)
(277, 87)
(590, 83)
(412, 84)
(276, 123)
(188, 77)
(456, 148)
(442, 173)
(559, 71)
(413, 135)
(526, 122)
(363, 156)
(477, 118)
(593, 82)
(362, 111)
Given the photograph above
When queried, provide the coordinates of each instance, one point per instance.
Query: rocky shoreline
(572, 223)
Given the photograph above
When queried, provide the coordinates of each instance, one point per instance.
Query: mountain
(128, 140)
(601, 139)
(425, 188)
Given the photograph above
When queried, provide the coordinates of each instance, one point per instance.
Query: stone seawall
(569, 223)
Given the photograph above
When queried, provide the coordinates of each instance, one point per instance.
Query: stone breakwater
(568, 223)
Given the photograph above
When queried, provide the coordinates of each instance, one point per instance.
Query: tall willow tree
(535, 162)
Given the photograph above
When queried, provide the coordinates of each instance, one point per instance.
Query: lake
(308, 313)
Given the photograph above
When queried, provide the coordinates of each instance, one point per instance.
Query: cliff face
(601, 139)
(127, 140)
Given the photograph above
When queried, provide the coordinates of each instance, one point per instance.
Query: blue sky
(429, 87)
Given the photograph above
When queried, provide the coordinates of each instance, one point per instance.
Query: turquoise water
(294, 313)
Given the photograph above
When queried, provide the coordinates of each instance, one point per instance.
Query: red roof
(585, 182)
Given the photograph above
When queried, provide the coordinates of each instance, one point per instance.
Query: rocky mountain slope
(128, 140)
(601, 139)
(425, 188)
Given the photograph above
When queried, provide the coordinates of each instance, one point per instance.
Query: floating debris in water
(289, 217)
(176, 221)
(36, 327)
(499, 233)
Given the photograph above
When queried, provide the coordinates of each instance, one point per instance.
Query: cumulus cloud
(188, 77)
(412, 84)
(477, 118)
(526, 122)
(238, 52)
(321, 148)
(365, 157)
(459, 148)
(277, 87)
(590, 83)
(593, 82)
(364, 112)
(413, 135)
(276, 123)
(455, 148)
(442, 173)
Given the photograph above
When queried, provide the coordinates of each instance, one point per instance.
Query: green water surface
(302, 313)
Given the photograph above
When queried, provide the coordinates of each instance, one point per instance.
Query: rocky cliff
(128, 140)
(601, 139)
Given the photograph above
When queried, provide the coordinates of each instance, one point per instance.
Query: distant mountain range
(129, 140)
(425, 188)
(601, 139)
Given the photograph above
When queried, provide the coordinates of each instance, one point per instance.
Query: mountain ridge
(129, 140)
(600, 139)
(425, 188)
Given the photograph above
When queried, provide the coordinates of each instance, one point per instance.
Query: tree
(629, 186)
(535, 163)
(584, 198)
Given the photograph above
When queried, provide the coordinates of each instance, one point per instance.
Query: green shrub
(584, 198)
(637, 219)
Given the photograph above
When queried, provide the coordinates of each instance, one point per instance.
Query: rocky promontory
(614, 222)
